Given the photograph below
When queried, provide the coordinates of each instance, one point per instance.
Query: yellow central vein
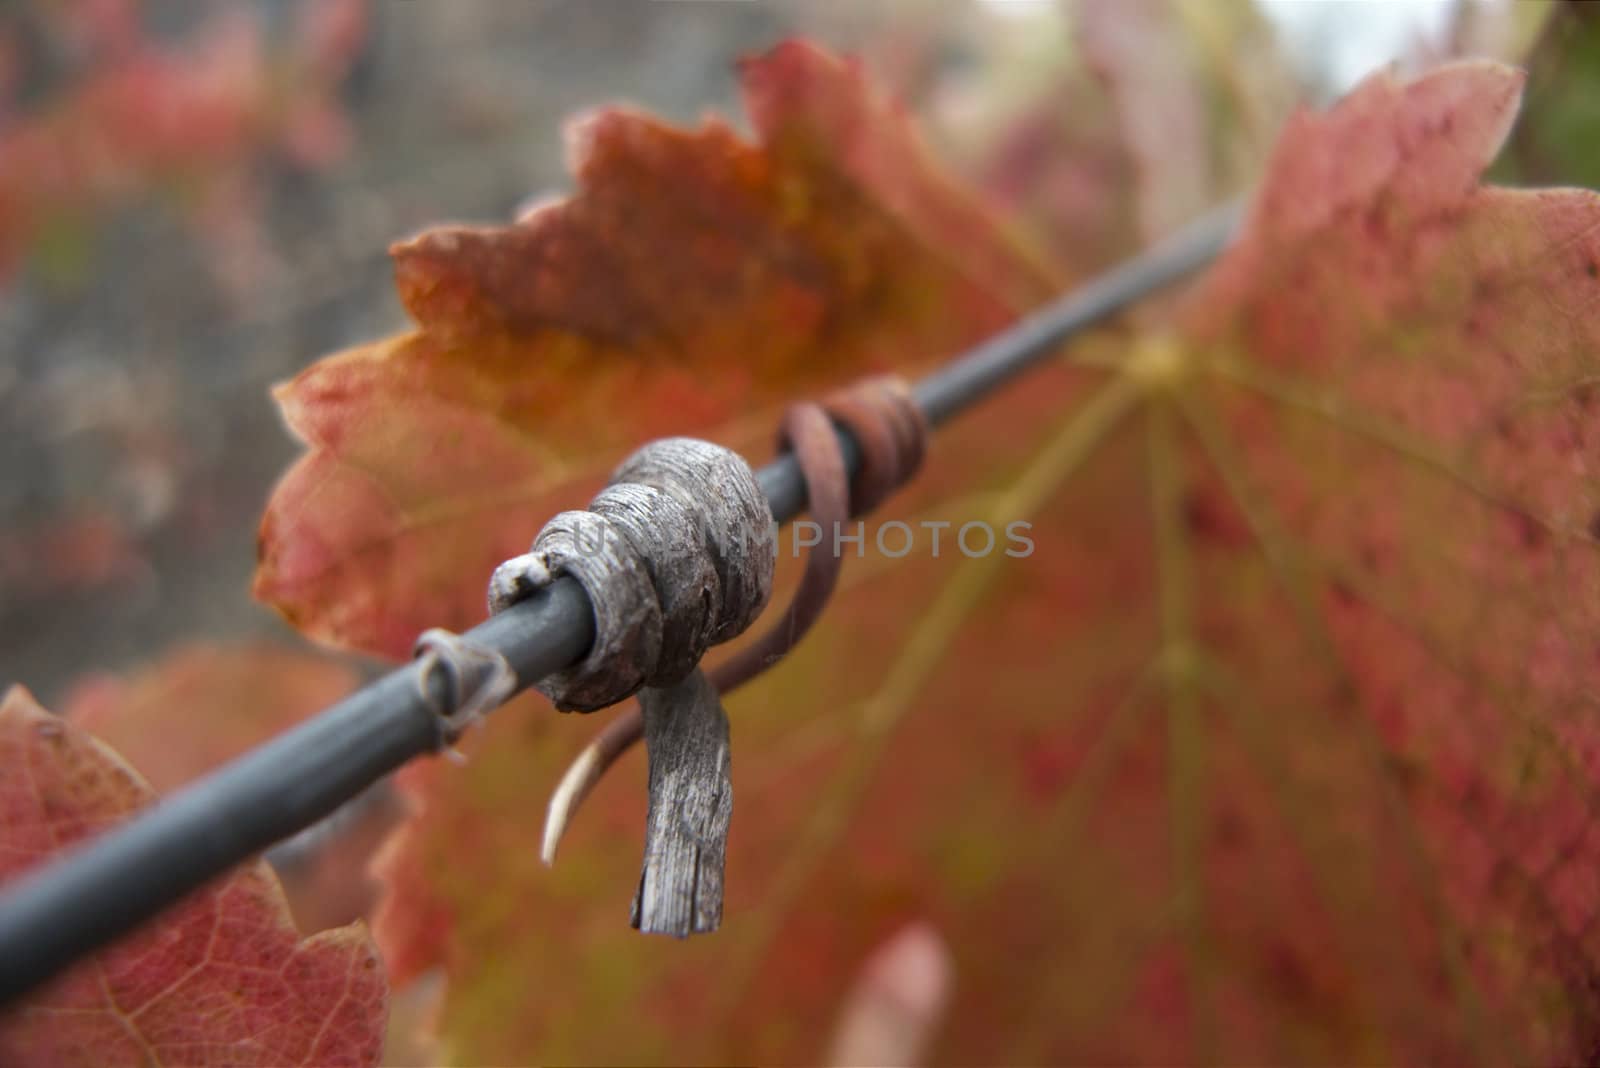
(1185, 739)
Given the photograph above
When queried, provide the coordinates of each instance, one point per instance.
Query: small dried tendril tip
(584, 773)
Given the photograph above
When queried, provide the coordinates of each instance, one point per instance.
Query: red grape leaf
(692, 277)
(222, 979)
(1280, 746)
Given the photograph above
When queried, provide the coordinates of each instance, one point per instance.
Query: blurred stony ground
(137, 438)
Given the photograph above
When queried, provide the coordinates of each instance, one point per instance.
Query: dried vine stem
(676, 554)
(884, 421)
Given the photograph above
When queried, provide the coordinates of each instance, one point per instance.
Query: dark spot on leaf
(1530, 534)
(1377, 226)
(1403, 771)
(1594, 526)
(1440, 979)
(1230, 831)
(1592, 269)
(1046, 767)
(1344, 700)
(1502, 880)
(1208, 517)
(1290, 977)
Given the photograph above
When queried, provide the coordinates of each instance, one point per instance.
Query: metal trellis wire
(107, 886)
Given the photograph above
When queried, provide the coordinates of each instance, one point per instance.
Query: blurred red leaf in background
(131, 111)
(221, 979)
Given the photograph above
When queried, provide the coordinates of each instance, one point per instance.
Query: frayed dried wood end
(691, 800)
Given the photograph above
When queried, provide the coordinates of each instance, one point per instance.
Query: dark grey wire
(106, 887)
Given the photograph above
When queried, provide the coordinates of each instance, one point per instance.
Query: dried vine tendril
(676, 554)
(689, 782)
